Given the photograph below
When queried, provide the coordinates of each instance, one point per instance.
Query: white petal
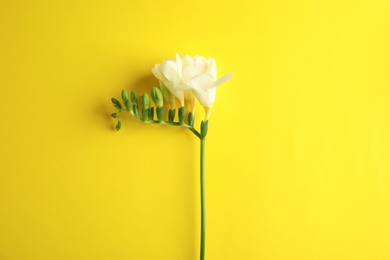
(168, 59)
(201, 63)
(222, 80)
(179, 65)
(182, 86)
(167, 95)
(190, 72)
(158, 74)
(212, 68)
(170, 71)
(203, 81)
(206, 97)
(207, 110)
(189, 97)
(187, 60)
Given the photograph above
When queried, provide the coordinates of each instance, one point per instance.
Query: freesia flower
(187, 79)
(197, 75)
(169, 75)
(200, 76)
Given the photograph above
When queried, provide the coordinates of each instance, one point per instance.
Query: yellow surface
(298, 151)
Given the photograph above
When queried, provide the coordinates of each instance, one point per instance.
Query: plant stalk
(202, 200)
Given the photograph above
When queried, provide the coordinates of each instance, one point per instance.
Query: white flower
(169, 74)
(197, 75)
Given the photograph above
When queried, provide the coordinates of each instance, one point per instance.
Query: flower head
(188, 77)
(169, 75)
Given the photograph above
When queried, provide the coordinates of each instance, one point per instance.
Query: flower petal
(201, 63)
(170, 71)
(167, 94)
(202, 81)
(212, 67)
(206, 97)
(179, 63)
(222, 80)
(189, 97)
(190, 72)
(158, 74)
(187, 60)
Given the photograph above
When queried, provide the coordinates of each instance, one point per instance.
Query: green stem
(202, 136)
(202, 200)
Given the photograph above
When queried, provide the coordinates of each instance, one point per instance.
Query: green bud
(151, 113)
(114, 115)
(145, 114)
(116, 103)
(203, 128)
(145, 101)
(127, 104)
(157, 96)
(125, 96)
(171, 115)
(160, 114)
(135, 109)
(134, 98)
(191, 118)
(118, 125)
(181, 115)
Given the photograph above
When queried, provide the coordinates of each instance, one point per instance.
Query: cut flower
(195, 74)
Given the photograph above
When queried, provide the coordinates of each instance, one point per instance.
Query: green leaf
(204, 125)
(191, 118)
(181, 115)
(116, 103)
(160, 114)
(114, 115)
(118, 125)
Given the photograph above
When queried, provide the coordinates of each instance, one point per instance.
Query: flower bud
(118, 125)
(145, 114)
(160, 114)
(203, 128)
(171, 115)
(191, 118)
(157, 97)
(134, 98)
(125, 98)
(116, 103)
(181, 115)
(145, 101)
(151, 113)
(135, 109)
(114, 115)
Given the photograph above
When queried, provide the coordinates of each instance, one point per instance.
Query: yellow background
(298, 150)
